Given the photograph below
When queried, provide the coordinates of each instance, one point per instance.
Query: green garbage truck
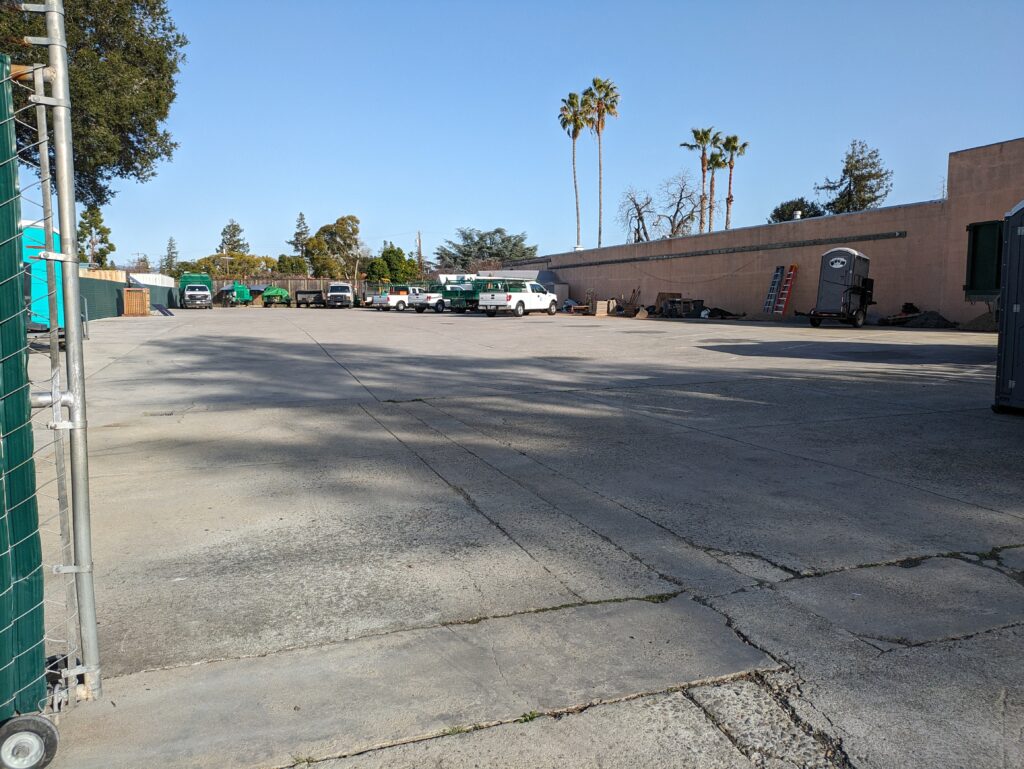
(195, 291)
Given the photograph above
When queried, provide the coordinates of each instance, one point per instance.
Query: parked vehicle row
(489, 295)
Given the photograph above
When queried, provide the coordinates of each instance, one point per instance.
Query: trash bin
(1010, 355)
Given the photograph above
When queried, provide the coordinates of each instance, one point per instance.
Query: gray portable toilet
(1010, 355)
(844, 289)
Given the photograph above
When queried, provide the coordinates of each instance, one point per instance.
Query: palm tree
(603, 99)
(734, 148)
(703, 138)
(574, 117)
(716, 162)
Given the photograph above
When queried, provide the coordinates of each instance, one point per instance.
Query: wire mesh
(42, 668)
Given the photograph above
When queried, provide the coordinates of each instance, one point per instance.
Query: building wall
(918, 252)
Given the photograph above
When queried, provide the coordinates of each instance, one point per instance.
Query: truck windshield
(196, 288)
(339, 290)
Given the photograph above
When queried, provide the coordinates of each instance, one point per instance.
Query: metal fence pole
(46, 190)
(80, 510)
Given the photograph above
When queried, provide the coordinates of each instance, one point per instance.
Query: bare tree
(679, 203)
(636, 208)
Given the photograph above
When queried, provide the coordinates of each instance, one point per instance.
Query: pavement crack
(473, 504)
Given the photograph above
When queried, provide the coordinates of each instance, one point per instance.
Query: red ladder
(785, 291)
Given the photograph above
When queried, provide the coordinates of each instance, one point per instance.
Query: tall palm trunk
(728, 198)
(600, 184)
(703, 189)
(711, 203)
(576, 189)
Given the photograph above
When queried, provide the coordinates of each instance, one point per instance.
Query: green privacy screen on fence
(22, 653)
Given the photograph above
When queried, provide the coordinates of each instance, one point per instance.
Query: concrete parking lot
(359, 539)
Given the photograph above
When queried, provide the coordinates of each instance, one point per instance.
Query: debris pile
(911, 316)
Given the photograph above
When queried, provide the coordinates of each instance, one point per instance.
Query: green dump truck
(195, 290)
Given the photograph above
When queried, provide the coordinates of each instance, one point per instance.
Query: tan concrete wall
(927, 266)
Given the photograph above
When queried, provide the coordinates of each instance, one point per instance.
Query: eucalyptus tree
(703, 139)
(573, 117)
(602, 97)
(734, 148)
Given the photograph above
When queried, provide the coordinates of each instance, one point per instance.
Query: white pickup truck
(431, 298)
(398, 298)
(519, 298)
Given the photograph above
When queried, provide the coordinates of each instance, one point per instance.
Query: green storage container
(22, 651)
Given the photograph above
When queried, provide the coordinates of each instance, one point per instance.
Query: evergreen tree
(94, 237)
(123, 58)
(864, 183)
(301, 236)
(232, 240)
(169, 261)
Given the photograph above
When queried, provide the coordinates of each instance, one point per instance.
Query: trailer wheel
(491, 313)
(520, 310)
(858, 319)
(27, 742)
(815, 322)
(421, 309)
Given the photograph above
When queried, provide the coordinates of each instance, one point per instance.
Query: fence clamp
(55, 256)
(65, 424)
(62, 569)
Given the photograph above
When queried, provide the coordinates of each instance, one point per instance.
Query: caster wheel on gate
(27, 742)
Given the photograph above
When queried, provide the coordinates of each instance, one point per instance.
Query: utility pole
(419, 252)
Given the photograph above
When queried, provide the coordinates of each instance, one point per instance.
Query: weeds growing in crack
(454, 730)
(525, 718)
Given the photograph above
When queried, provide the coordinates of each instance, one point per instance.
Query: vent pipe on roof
(797, 214)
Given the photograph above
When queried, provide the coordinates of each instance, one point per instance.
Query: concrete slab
(1012, 558)
(760, 727)
(659, 548)
(954, 703)
(247, 503)
(663, 730)
(347, 698)
(916, 603)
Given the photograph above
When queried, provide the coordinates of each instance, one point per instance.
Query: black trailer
(1010, 355)
(844, 289)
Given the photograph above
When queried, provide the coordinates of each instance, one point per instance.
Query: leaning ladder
(786, 290)
(773, 290)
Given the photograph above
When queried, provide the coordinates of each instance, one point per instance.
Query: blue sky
(435, 115)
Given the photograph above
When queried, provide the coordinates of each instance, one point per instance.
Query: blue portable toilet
(33, 242)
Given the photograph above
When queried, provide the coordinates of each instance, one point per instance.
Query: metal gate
(48, 638)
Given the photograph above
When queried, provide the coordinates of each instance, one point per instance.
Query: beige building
(919, 252)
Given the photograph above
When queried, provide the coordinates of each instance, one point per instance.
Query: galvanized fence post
(64, 173)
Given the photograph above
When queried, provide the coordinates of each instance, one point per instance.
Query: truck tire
(520, 310)
(421, 309)
(552, 308)
(491, 313)
(815, 322)
(858, 319)
(400, 306)
(439, 307)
